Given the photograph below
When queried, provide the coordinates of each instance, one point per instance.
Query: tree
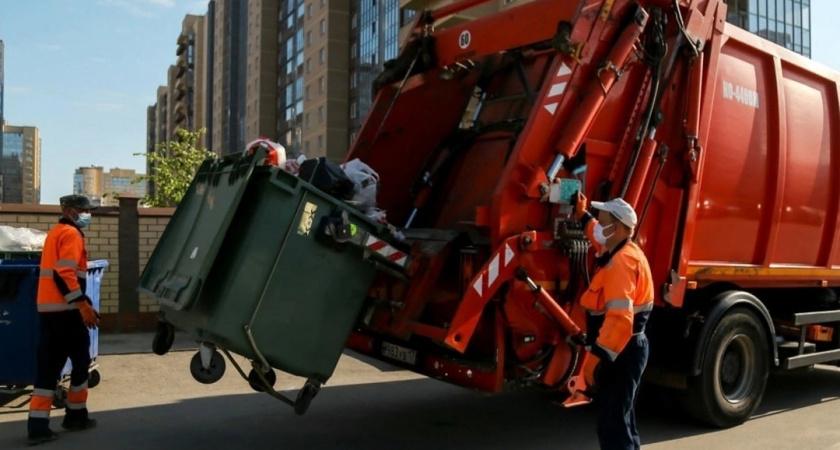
(172, 167)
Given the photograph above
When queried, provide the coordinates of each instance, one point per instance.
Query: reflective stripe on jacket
(63, 269)
(619, 299)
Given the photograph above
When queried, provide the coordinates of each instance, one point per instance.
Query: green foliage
(172, 167)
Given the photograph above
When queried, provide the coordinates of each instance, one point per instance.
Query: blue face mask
(83, 220)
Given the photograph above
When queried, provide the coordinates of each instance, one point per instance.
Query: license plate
(398, 353)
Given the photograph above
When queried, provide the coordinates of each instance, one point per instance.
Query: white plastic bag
(366, 182)
(293, 165)
(21, 239)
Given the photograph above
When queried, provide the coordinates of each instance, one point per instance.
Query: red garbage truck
(722, 141)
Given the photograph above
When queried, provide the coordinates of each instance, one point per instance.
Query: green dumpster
(248, 263)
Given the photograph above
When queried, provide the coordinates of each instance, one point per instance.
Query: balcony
(183, 41)
(181, 84)
(180, 117)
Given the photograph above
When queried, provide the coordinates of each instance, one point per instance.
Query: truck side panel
(768, 197)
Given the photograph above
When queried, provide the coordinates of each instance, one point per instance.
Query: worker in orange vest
(65, 314)
(618, 303)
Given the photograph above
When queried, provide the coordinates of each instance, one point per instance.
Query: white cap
(620, 209)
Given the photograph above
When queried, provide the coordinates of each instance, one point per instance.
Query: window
(309, 11)
(321, 85)
(354, 80)
(307, 120)
(354, 22)
(320, 114)
(353, 110)
(308, 65)
(323, 26)
(354, 52)
(320, 142)
(308, 38)
(323, 3)
(322, 55)
(308, 93)
(306, 147)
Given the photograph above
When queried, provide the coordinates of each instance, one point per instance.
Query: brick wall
(151, 225)
(103, 242)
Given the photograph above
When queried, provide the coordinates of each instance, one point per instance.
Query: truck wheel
(734, 371)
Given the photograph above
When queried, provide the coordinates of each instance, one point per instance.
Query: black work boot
(39, 431)
(77, 420)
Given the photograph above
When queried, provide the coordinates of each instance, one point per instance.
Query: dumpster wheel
(212, 373)
(164, 338)
(304, 397)
(256, 381)
(94, 378)
(60, 397)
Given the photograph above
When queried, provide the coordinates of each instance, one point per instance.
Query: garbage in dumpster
(328, 177)
(366, 185)
(276, 152)
(21, 239)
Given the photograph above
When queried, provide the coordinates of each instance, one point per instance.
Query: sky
(84, 72)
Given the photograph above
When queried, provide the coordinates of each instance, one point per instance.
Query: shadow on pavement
(417, 414)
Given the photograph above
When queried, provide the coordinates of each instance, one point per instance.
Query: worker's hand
(89, 315)
(580, 203)
(590, 365)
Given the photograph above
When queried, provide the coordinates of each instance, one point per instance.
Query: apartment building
(20, 165)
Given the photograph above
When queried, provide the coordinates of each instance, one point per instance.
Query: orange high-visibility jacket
(63, 269)
(619, 299)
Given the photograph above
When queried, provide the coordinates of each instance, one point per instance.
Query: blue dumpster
(19, 328)
(18, 321)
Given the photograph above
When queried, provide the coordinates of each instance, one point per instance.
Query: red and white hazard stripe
(384, 250)
(488, 277)
(558, 87)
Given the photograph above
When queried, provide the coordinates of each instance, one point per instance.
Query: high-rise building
(90, 182)
(2, 90)
(244, 72)
(21, 165)
(104, 188)
(183, 102)
(787, 23)
(121, 182)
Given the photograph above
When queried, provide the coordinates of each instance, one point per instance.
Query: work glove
(89, 315)
(580, 203)
(590, 365)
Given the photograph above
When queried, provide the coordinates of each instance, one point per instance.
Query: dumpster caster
(164, 337)
(94, 378)
(214, 370)
(305, 396)
(59, 398)
(257, 384)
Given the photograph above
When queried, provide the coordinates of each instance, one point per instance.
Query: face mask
(599, 235)
(83, 220)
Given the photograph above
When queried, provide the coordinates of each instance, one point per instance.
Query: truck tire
(734, 371)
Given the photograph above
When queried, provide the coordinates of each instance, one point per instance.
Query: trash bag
(328, 177)
(366, 182)
(276, 152)
(21, 239)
